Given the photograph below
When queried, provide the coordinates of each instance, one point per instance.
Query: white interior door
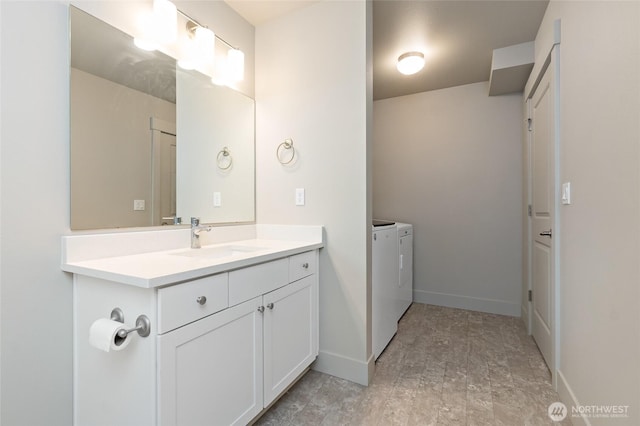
(167, 178)
(543, 145)
(163, 137)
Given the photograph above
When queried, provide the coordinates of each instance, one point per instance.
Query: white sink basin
(218, 251)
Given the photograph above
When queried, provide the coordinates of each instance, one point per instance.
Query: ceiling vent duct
(510, 68)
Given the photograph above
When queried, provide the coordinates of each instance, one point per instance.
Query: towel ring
(224, 153)
(285, 146)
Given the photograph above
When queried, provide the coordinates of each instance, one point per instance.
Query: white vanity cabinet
(290, 335)
(222, 347)
(210, 371)
(225, 368)
(290, 328)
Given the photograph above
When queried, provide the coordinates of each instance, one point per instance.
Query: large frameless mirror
(151, 142)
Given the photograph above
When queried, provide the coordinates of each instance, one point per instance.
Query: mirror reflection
(147, 138)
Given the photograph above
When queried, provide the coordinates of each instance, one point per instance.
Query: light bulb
(410, 62)
(158, 28)
(235, 64)
(165, 21)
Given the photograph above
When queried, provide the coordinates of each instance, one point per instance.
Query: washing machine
(384, 268)
(405, 274)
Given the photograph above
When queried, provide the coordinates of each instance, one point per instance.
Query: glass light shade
(145, 40)
(189, 59)
(410, 62)
(158, 28)
(145, 44)
(205, 44)
(235, 64)
(199, 50)
(165, 21)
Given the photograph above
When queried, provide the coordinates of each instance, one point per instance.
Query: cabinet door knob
(270, 305)
(201, 300)
(261, 309)
(305, 265)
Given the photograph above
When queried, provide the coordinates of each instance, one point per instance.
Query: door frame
(527, 315)
(157, 126)
(549, 62)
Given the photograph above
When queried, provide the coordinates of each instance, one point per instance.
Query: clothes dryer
(384, 284)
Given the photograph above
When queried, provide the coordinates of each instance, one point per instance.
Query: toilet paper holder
(143, 325)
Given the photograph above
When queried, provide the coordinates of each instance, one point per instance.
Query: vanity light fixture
(235, 64)
(160, 27)
(410, 62)
(200, 53)
(199, 49)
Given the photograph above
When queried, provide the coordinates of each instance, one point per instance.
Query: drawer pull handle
(261, 309)
(201, 300)
(270, 305)
(305, 265)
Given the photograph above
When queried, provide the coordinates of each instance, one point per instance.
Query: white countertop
(158, 268)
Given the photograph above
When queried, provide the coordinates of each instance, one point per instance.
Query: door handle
(546, 233)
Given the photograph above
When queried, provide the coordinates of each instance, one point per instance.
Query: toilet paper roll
(103, 335)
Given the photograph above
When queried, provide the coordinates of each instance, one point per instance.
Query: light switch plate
(138, 205)
(217, 199)
(299, 196)
(566, 193)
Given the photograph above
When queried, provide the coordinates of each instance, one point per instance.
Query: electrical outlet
(217, 199)
(299, 196)
(138, 205)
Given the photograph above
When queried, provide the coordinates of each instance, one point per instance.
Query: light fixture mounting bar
(189, 18)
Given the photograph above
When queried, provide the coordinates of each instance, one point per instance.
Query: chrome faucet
(196, 230)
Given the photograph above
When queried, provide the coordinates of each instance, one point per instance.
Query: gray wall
(35, 295)
(311, 85)
(599, 236)
(449, 162)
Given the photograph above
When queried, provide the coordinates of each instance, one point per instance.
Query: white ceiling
(457, 36)
(257, 12)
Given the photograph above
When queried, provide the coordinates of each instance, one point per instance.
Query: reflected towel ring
(285, 146)
(220, 159)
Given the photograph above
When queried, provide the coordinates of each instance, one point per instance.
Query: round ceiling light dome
(410, 62)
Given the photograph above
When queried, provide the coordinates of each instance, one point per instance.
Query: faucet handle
(195, 221)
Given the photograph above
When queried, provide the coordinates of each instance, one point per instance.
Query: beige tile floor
(444, 367)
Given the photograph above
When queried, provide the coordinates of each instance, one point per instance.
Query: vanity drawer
(302, 265)
(247, 283)
(183, 303)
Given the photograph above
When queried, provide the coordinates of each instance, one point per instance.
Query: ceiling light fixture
(410, 62)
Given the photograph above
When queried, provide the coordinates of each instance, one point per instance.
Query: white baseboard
(500, 307)
(568, 398)
(344, 367)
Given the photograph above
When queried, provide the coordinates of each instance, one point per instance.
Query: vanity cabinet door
(290, 334)
(210, 372)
